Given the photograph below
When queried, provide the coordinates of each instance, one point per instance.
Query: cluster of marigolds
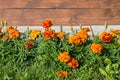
(76, 39)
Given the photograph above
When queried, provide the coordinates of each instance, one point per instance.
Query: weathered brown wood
(61, 16)
(8, 4)
(61, 12)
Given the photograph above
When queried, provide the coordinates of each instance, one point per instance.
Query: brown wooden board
(61, 12)
(61, 16)
(8, 4)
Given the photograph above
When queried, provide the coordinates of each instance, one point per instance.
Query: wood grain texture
(61, 12)
(8, 4)
(61, 16)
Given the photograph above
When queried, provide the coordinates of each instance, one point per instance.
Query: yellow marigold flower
(34, 34)
(4, 38)
(73, 63)
(29, 44)
(118, 41)
(49, 34)
(64, 57)
(60, 34)
(86, 29)
(96, 48)
(114, 35)
(106, 37)
(116, 31)
(63, 74)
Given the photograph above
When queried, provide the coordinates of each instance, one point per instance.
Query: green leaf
(108, 68)
(102, 72)
(115, 66)
(111, 72)
(107, 61)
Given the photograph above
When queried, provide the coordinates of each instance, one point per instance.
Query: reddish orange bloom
(60, 34)
(29, 44)
(96, 48)
(85, 29)
(64, 57)
(34, 34)
(49, 34)
(63, 74)
(106, 37)
(73, 63)
(47, 24)
(4, 38)
(0, 30)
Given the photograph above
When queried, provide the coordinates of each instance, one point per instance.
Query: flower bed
(51, 55)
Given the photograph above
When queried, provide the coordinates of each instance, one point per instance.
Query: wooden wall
(61, 12)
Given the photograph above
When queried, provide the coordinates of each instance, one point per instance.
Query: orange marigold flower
(49, 34)
(118, 41)
(13, 33)
(64, 57)
(60, 34)
(106, 37)
(4, 38)
(71, 39)
(62, 74)
(82, 34)
(34, 34)
(47, 24)
(79, 38)
(96, 48)
(86, 29)
(29, 44)
(73, 63)
(9, 29)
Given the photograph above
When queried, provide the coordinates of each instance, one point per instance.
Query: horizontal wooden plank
(8, 4)
(34, 17)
